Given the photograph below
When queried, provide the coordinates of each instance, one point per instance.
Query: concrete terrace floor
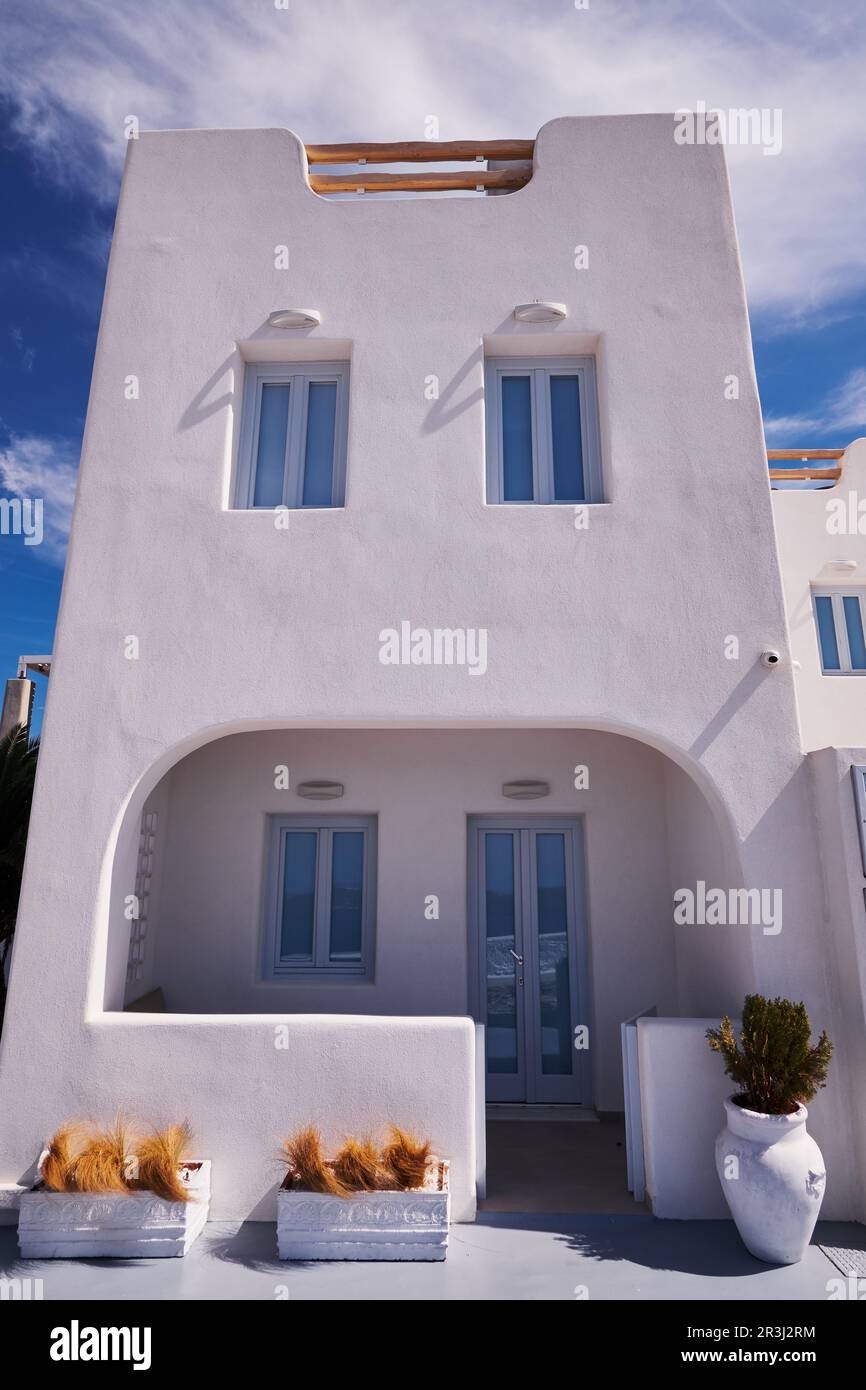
(558, 1166)
(504, 1256)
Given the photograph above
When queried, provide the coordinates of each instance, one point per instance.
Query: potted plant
(107, 1193)
(770, 1168)
(366, 1203)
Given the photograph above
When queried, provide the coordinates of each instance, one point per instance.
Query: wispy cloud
(842, 409)
(35, 467)
(339, 69)
(27, 354)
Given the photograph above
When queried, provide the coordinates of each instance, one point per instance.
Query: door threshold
(572, 1113)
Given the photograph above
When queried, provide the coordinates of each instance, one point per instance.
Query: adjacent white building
(333, 589)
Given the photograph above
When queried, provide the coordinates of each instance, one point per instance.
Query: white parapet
(682, 1093)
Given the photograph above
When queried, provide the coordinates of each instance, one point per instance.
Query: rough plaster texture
(240, 625)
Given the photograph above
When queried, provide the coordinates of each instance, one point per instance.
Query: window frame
(858, 777)
(276, 968)
(260, 374)
(541, 369)
(837, 593)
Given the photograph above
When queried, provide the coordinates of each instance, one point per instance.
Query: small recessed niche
(525, 789)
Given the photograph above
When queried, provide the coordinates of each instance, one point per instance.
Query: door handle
(518, 958)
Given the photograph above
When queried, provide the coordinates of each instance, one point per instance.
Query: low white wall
(682, 1088)
(242, 1094)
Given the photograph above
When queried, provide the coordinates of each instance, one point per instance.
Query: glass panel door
(552, 983)
(530, 948)
(503, 982)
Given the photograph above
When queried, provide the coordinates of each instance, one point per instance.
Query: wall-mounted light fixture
(320, 791)
(844, 565)
(525, 790)
(540, 311)
(294, 318)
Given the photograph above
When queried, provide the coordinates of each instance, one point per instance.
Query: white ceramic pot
(773, 1178)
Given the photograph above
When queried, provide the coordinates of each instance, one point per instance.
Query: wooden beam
(419, 183)
(421, 151)
(805, 453)
(801, 475)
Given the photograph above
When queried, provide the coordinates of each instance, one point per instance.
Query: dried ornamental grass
(406, 1158)
(79, 1159)
(160, 1154)
(302, 1153)
(359, 1166)
(103, 1164)
(59, 1162)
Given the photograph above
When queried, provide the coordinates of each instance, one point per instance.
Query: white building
(582, 507)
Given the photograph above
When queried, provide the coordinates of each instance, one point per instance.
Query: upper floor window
(839, 618)
(293, 435)
(542, 430)
(320, 907)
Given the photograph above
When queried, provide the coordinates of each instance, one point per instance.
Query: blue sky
(378, 69)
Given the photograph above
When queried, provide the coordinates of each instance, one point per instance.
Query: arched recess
(655, 821)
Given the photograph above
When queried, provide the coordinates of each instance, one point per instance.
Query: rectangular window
(320, 900)
(293, 435)
(542, 430)
(840, 623)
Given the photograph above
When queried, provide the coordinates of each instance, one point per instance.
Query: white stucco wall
(714, 963)
(845, 887)
(832, 707)
(622, 626)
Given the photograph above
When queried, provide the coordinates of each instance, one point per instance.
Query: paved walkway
(503, 1256)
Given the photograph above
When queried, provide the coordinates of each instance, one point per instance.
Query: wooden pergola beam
(805, 453)
(419, 183)
(421, 151)
(805, 475)
(801, 475)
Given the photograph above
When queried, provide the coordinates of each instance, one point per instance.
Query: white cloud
(842, 409)
(370, 69)
(26, 353)
(35, 467)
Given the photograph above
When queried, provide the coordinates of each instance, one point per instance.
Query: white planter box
(72, 1225)
(402, 1225)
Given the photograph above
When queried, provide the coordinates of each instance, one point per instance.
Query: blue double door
(529, 958)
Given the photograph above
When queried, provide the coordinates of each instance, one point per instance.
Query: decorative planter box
(72, 1225)
(401, 1225)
